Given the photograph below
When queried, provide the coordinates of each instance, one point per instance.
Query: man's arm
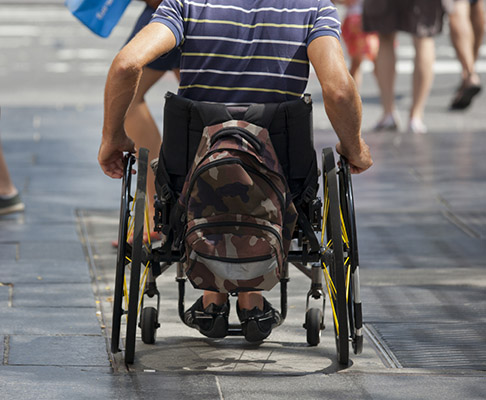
(341, 100)
(121, 85)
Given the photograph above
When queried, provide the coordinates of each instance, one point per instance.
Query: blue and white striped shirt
(242, 51)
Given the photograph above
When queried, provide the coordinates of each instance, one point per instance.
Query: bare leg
(210, 297)
(385, 72)
(250, 300)
(423, 76)
(462, 37)
(143, 130)
(355, 70)
(477, 20)
(246, 300)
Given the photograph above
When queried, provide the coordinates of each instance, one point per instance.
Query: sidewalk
(54, 345)
(421, 217)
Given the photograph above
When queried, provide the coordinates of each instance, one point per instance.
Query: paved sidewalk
(421, 216)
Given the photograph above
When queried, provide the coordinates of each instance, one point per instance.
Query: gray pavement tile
(89, 351)
(440, 276)
(61, 250)
(422, 303)
(4, 295)
(8, 251)
(82, 383)
(48, 270)
(27, 232)
(43, 294)
(84, 181)
(49, 321)
(354, 387)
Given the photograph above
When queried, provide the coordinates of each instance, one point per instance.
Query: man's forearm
(120, 89)
(344, 112)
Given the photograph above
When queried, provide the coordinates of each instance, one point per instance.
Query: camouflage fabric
(239, 213)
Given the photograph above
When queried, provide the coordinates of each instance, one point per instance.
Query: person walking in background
(139, 123)
(466, 22)
(359, 44)
(422, 19)
(9, 195)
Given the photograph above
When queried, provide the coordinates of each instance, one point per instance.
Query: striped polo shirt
(239, 52)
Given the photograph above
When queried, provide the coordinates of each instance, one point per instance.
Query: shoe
(416, 126)
(464, 96)
(154, 237)
(11, 204)
(211, 321)
(257, 324)
(389, 122)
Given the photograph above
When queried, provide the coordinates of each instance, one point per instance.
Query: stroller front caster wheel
(313, 326)
(149, 324)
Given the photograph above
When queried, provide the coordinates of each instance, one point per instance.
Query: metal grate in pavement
(425, 345)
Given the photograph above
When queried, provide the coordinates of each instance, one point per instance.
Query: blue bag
(101, 16)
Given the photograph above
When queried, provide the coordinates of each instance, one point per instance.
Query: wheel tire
(122, 251)
(354, 298)
(137, 252)
(336, 268)
(313, 326)
(149, 324)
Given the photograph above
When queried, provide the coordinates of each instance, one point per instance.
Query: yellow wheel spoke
(343, 228)
(329, 282)
(147, 222)
(348, 279)
(332, 295)
(125, 291)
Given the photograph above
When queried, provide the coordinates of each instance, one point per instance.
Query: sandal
(464, 97)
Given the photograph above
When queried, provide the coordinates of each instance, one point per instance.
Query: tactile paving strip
(423, 345)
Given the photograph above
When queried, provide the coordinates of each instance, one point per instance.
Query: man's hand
(110, 156)
(359, 160)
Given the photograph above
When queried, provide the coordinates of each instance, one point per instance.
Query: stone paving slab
(30, 232)
(61, 250)
(4, 295)
(8, 251)
(355, 387)
(48, 271)
(84, 383)
(43, 294)
(48, 321)
(88, 351)
(421, 303)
